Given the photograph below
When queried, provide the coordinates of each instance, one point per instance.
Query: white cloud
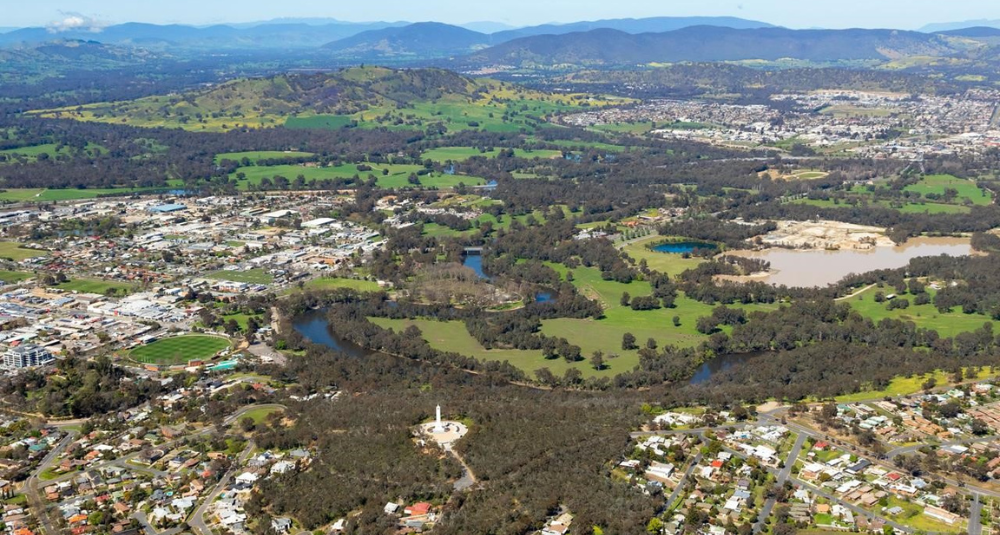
(75, 22)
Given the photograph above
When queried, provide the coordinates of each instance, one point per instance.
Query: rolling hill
(365, 97)
(422, 40)
(709, 43)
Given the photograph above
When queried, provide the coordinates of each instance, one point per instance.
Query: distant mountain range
(178, 37)
(647, 25)
(949, 26)
(420, 40)
(305, 33)
(710, 43)
(615, 42)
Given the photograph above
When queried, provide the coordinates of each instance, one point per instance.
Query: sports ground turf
(180, 349)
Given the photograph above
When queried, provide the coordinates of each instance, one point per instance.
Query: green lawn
(258, 415)
(74, 194)
(95, 286)
(330, 283)
(453, 336)
(900, 386)
(241, 319)
(10, 277)
(606, 334)
(180, 349)
(947, 324)
(937, 184)
(669, 263)
(256, 156)
(591, 335)
(15, 252)
(458, 154)
(252, 276)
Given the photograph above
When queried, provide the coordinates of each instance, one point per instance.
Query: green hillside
(363, 96)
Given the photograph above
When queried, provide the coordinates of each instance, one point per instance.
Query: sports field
(180, 349)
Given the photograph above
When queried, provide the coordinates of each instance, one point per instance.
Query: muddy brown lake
(820, 267)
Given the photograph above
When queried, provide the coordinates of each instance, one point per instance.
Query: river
(719, 364)
(819, 267)
(314, 327)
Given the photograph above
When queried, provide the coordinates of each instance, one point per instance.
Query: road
(35, 501)
(786, 471)
(197, 519)
(40, 507)
(149, 529)
(910, 449)
(680, 484)
(975, 522)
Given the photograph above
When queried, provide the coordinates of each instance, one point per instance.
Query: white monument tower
(438, 428)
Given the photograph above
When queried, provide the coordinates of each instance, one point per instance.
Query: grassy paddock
(668, 263)
(252, 276)
(94, 286)
(256, 156)
(459, 154)
(15, 252)
(331, 283)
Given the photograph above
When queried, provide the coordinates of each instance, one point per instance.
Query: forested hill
(709, 43)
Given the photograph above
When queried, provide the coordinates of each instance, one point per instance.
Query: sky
(901, 14)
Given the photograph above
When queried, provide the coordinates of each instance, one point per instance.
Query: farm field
(15, 252)
(94, 286)
(256, 156)
(252, 276)
(180, 349)
(398, 176)
(669, 263)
